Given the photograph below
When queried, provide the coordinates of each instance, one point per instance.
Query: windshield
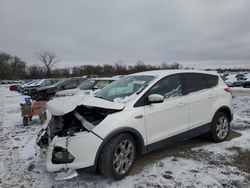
(34, 83)
(39, 82)
(88, 84)
(59, 82)
(124, 87)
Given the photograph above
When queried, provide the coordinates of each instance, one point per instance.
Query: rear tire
(220, 127)
(118, 156)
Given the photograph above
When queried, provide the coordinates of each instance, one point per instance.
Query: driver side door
(169, 118)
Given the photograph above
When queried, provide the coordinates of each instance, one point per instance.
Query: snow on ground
(201, 164)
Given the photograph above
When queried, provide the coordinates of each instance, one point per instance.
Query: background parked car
(235, 80)
(22, 87)
(11, 81)
(47, 92)
(89, 76)
(247, 81)
(88, 87)
(14, 87)
(29, 90)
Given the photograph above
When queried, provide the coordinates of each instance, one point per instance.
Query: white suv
(137, 114)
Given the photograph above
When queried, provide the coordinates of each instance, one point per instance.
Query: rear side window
(194, 82)
(212, 80)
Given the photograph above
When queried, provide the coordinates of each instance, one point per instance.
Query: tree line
(12, 67)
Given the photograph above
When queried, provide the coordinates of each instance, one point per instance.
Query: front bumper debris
(65, 174)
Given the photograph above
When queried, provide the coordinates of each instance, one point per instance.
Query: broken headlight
(61, 155)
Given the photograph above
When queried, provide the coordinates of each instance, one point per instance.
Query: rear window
(194, 82)
(212, 80)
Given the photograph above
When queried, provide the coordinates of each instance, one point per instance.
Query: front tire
(118, 156)
(220, 127)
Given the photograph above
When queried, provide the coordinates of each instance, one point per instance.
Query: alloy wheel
(123, 157)
(222, 127)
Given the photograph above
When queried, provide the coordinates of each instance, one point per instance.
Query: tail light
(228, 90)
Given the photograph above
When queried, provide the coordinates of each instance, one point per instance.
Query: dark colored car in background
(48, 92)
(29, 90)
(246, 83)
(21, 88)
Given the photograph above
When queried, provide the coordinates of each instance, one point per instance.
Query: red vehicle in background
(14, 87)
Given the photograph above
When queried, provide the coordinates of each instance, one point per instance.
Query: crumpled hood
(63, 105)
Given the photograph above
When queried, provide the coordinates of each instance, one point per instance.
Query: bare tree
(120, 67)
(48, 59)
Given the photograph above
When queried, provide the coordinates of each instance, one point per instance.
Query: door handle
(139, 117)
(181, 104)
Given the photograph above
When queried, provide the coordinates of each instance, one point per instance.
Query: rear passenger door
(198, 96)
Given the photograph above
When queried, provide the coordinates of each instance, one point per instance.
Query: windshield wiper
(100, 97)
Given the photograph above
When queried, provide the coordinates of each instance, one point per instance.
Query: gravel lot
(194, 163)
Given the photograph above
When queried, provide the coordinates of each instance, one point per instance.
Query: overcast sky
(200, 32)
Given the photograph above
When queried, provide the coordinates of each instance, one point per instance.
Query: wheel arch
(226, 110)
(140, 144)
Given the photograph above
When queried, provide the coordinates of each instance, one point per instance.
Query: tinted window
(194, 82)
(168, 87)
(47, 82)
(70, 84)
(79, 81)
(212, 80)
(60, 82)
(43, 83)
(52, 82)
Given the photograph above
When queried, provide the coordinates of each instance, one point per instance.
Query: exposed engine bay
(83, 118)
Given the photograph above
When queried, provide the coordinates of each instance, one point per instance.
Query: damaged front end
(69, 140)
(81, 119)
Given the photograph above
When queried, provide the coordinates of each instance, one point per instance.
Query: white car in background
(88, 87)
(235, 79)
(136, 114)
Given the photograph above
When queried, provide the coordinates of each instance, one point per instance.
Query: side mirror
(155, 98)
